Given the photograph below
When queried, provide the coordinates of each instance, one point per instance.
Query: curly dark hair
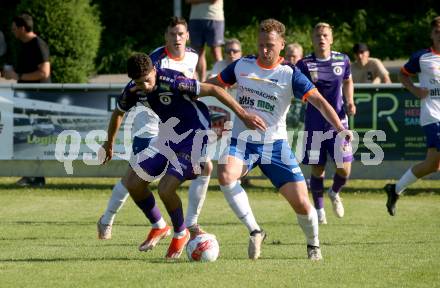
(138, 65)
(270, 25)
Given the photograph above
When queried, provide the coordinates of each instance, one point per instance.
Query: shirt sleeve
(127, 99)
(347, 72)
(43, 51)
(187, 86)
(412, 67)
(301, 85)
(381, 70)
(303, 68)
(227, 76)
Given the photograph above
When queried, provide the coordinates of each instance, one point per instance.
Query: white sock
(309, 225)
(320, 211)
(239, 202)
(407, 179)
(117, 200)
(180, 234)
(196, 198)
(160, 224)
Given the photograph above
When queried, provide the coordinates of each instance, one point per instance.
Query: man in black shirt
(32, 66)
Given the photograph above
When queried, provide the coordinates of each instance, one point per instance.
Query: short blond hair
(321, 25)
(295, 45)
(270, 25)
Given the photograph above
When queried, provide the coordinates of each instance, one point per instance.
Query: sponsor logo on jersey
(296, 170)
(265, 105)
(244, 89)
(337, 57)
(165, 86)
(166, 79)
(248, 101)
(434, 92)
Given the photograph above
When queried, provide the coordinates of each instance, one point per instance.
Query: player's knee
(225, 178)
(318, 171)
(302, 206)
(207, 169)
(344, 173)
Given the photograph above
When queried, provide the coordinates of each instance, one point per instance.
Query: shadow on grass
(43, 260)
(409, 191)
(66, 186)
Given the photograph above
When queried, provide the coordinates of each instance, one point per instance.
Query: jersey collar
(280, 59)
(172, 57)
(434, 51)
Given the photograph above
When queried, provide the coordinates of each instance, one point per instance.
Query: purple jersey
(174, 96)
(328, 76)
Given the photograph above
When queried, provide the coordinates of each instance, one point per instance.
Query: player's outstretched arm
(317, 100)
(112, 130)
(251, 121)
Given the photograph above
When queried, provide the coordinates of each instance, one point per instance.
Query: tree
(72, 30)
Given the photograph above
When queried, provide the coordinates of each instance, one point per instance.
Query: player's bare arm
(113, 127)
(250, 120)
(407, 82)
(348, 91)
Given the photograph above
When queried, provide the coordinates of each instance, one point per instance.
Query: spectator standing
(295, 117)
(367, 69)
(293, 52)
(422, 63)
(31, 66)
(206, 26)
(232, 53)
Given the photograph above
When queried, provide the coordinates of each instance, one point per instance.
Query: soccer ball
(203, 247)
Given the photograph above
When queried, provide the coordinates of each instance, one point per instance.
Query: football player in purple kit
(266, 85)
(425, 63)
(173, 97)
(330, 72)
(176, 56)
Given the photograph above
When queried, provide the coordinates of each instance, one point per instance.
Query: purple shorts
(175, 161)
(203, 31)
(319, 143)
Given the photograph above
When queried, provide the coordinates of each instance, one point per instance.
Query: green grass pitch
(48, 239)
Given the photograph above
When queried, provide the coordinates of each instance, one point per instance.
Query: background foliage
(392, 30)
(72, 31)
